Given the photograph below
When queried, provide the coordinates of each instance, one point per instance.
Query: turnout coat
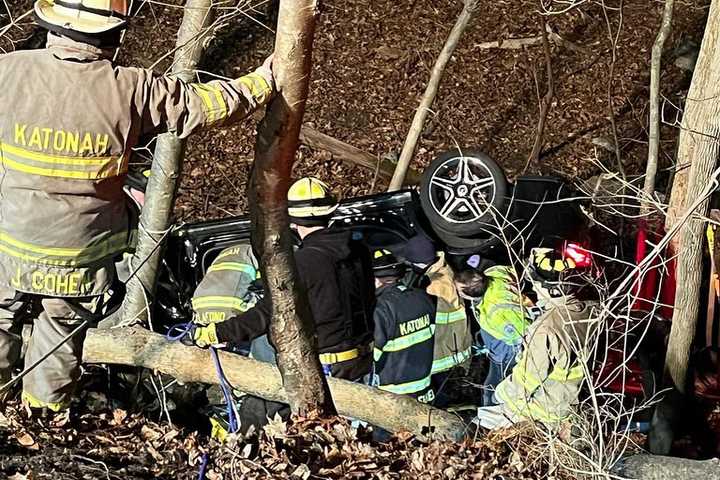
(69, 121)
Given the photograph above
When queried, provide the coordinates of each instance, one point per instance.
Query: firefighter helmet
(90, 17)
(557, 274)
(385, 264)
(310, 202)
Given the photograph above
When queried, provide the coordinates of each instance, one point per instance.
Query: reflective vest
(453, 339)
(68, 123)
(546, 381)
(225, 291)
(501, 313)
(404, 339)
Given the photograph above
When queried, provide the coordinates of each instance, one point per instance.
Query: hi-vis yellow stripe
(27, 161)
(256, 85)
(233, 266)
(64, 257)
(215, 107)
(218, 301)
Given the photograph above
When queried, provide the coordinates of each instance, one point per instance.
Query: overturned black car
(464, 204)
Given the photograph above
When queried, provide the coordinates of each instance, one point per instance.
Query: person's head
(387, 269)
(96, 22)
(470, 283)
(419, 251)
(554, 275)
(310, 205)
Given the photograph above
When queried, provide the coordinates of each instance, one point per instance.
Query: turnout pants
(51, 384)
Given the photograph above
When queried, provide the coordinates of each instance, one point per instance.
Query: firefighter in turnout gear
(336, 272)
(69, 121)
(404, 332)
(545, 383)
(498, 307)
(453, 338)
(229, 286)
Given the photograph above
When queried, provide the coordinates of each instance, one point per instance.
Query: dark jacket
(404, 339)
(337, 275)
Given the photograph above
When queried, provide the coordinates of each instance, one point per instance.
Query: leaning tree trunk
(428, 97)
(292, 327)
(699, 147)
(654, 125)
(165, 175)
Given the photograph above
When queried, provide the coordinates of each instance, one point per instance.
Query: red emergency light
(578, 254)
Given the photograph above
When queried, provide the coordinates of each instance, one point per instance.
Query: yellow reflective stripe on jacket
(219, 301)
(220, 101)
(213, 102)
(527, 380)
(79, 168)
(561, 375)
(407, 341)
(527, 408)
(409, 387)
(33, 402)
(70, 257)
(446, 363)
(377, 354)
(233, 266)
(446, 318)
(256, 85)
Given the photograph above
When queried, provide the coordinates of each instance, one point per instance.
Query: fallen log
(136, 346)
(656, 467)
(347, 153)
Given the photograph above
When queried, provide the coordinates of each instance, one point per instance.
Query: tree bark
(655, 467)
(138, 347)
(428, 97)
(699, 147)
(654, 126)
(292, 326)
(165, 175)
(546, 101)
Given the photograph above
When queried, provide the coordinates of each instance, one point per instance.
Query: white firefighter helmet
(84, 16)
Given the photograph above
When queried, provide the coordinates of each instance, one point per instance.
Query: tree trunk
(699, 147)
(292, 327)
(546, 101)
(138, 347)
(428, 97)
(165, 175)
(654, 467)
(654, 126)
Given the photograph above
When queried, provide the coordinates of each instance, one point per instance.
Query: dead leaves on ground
(130, 446)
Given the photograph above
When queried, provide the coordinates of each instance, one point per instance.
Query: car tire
(454, 192)
(455, 244)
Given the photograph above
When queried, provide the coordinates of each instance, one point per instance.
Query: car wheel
(461, 192)
(455, 244)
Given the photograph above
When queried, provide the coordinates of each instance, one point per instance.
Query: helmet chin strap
(122, 34)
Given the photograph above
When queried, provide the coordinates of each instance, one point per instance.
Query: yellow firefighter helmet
(91, 17)
(310, 201)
